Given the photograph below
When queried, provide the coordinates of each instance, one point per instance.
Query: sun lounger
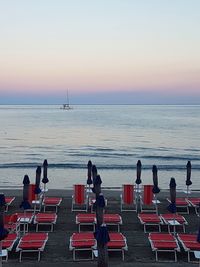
(45, 219)
(85, 219)
(189, 243)
(90, 219)
(51, 202)
(113, 219)
(11, 223)
(84, 241)
(174, 220)
(32, 242)
(181, 204)
(79, 198)
(9, 201)
(9, 242)
(117, 243)
(128, 198)
(147, 203)
(195, 203)
(163, 243)
(149, 219)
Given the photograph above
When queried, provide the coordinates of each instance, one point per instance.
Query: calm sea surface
(113, 137)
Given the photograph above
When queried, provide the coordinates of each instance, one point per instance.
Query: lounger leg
(156, 255)
(188, 256)
(175, 256)
(37, 227)
(184, 228)
(20, 256)
(159, 228)
(39, 256)
(52, 227)
(145, 228)
(122, 254)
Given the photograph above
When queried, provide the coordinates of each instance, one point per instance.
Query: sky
(101, 51)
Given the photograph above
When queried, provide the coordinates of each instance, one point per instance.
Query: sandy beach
(139, 252)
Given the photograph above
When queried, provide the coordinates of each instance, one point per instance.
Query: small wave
(186, 157)
(100, 166)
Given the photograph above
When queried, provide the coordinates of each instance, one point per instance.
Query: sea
(113, 137)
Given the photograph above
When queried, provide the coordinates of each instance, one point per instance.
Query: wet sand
(139, 252)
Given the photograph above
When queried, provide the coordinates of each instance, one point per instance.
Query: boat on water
(66, 106)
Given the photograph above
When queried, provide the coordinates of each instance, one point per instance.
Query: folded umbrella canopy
(172, 205)
(89, 174)
(25, 203)
(37, 181)
(3, 231)
(155, 189)
(45, 180)
(138, 173)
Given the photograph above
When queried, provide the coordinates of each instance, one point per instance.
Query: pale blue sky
(108, 51)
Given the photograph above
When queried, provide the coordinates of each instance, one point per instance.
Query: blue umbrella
(89, 175)
(138, 173)
(25, 203)
(172, 205)
(3, 231)
(37, 181)
(188, 181)
(45, 180)
(102, 235)
(155, 189)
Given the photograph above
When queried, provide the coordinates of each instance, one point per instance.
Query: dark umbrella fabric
(172, 206)
(155, 189)
(45, 180)
(102, 235)
(89, 175)
(138, 172)
(3, 231)
(188, 176)
(25, 203)
(37, 181)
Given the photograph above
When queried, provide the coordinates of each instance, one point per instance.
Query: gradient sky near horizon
(103, 51)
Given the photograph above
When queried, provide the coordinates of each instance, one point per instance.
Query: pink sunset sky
(112, 52)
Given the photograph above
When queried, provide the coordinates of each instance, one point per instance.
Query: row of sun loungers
(167, 242)
(30, 242)
(85, 241)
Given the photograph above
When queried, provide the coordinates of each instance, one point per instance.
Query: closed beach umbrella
(25, 203)
(45, 180)
(89, 174)
(94, 175)
(102, 237)
(188, 175)
(138, 173)
(37, 181)
(3, 231)
(155, 189)
(172, 186)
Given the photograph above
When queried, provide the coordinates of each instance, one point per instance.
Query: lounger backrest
(79, 193)
(147, 194)
(128, 193)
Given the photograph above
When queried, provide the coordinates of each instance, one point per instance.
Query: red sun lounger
(189, 243)
(9, 242)
(85, 219)
(84, 241)
(194, 202)
(32, 242)
(11, 223)
(147, 203)
(173, 220)
(90, 219)
(9, 201)
(128, 198)
(149, 219)
(113, 219)
(45, 219)
(163, 243)
(25, 219)
(117, 243)
(51, 202)
(79, 198)
(182, 204)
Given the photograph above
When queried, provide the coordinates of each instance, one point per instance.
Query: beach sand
(139, 252)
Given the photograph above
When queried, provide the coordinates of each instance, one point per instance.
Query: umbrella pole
(1, 253)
